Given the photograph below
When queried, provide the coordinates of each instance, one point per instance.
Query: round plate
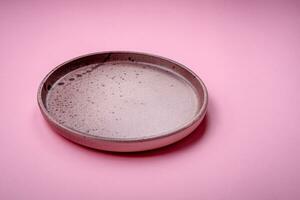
(122, 101)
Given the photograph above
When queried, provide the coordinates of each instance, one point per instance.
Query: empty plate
(122, 101)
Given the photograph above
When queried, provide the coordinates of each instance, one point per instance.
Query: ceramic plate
(122, 101)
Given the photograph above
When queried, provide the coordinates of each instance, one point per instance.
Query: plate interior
(122, 99)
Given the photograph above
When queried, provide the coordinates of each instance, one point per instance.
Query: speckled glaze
(122, 101)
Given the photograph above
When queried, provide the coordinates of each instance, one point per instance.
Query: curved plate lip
(198, 117)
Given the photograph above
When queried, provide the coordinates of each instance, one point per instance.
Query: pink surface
(248, 54)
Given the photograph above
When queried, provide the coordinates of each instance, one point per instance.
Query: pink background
(247, 53)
